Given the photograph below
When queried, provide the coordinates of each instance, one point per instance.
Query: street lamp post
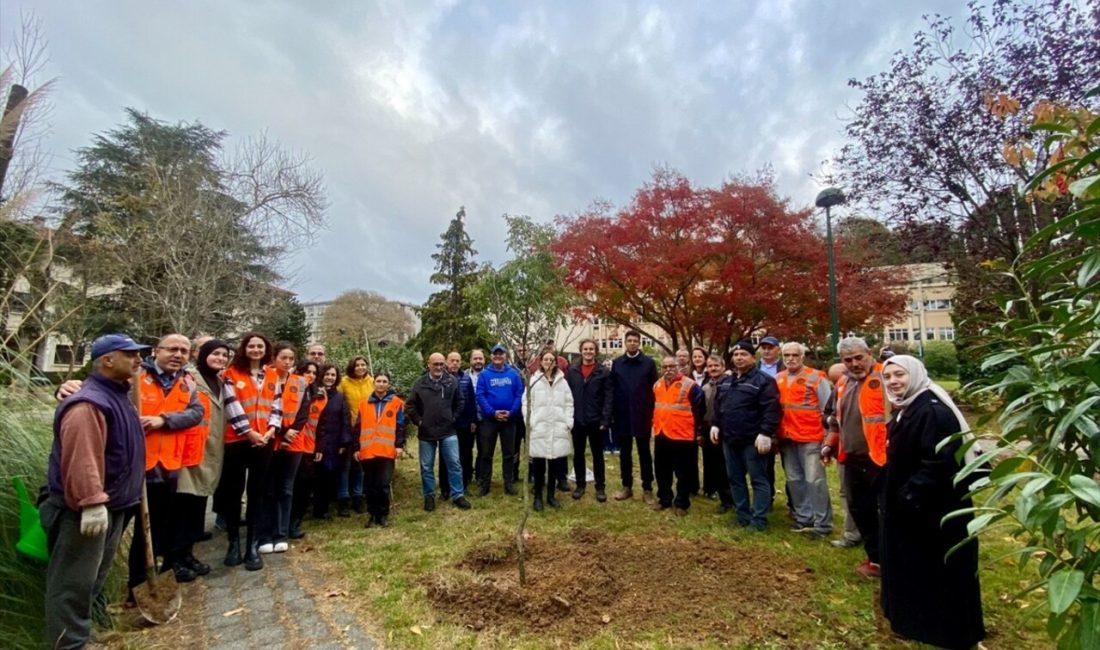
(827, 198)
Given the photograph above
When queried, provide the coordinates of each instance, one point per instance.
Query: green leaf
(1007, 466)
(1063, 588)
(1088, 270)
(1068, 420)
(1089, 623)
(998, 359)
(1085, 489)
(1086, 188)
(979, 523)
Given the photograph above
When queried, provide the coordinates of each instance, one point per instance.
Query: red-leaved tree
(713, 265)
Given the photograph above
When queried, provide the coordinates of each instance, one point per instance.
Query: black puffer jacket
(434, 406)
(747, 406)
(591, 397)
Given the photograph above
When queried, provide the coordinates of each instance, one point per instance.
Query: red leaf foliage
(713, 265)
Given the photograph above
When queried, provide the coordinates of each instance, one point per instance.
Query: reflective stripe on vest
(161, 445)
(306, 440)
(194, 445)
(378, 433)
(873, 412)
(672, 416)
(801, 407)
(294, 389)
(257, 403)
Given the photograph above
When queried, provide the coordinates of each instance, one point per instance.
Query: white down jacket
(551, 416)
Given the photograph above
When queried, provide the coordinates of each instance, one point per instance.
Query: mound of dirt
(689, 590)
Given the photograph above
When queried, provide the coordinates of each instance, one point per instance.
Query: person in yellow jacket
(381, 427)
(356, 386)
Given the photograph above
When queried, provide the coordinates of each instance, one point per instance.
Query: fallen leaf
(606, 618)
(416, 630)
(786, 543)
(233, 612)
(336, 594)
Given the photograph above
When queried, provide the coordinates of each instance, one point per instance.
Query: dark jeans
(279, 494)
(645, 460)
(539, 468)
(162, 525)
(190, 510)
(861, 477)
(351, 477)
(377, 476)
(743, 459)
(674, 457)
(490, 431)
(325, 482)
(242, 458)
(77, 570)
(714, 472)
(466, 441)
(591, 434)
(304, 482)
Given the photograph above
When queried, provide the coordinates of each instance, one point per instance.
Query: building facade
(931, 297)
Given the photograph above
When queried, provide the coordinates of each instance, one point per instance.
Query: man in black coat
(592, 392)
(633, 375)
(433, 405)
(747, 413)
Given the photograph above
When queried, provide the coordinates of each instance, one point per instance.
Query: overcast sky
(413, 109)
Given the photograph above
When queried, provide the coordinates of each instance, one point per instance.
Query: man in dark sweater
(96, 470)
(633, 375)
(747, 413)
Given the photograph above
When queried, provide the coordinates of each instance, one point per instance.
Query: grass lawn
(393, 575)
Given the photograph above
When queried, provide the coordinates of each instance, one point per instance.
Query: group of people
(253, 423)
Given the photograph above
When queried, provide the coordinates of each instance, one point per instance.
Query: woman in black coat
(926, 597)
(334, 440)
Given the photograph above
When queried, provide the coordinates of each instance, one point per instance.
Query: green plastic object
(32, 538)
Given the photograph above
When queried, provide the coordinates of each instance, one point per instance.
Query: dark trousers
(325, 483)
(377, 476)
(77, 570)
(539, 468)
(303, 488)
(593, 436)
(162, 526)
(278, 496)
(490, 431)
(742, 459)
(861, 477)
(715, 480)
(674, 457)
(242, 459)
(645, 460)
(190, 512)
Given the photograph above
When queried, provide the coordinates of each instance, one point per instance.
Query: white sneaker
(281, 547)
(266, 548)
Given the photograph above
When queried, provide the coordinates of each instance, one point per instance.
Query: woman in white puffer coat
(549, 421)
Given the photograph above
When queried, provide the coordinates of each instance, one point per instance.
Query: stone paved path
(287, 604)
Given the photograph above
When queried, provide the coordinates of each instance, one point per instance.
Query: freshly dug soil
(687, 590)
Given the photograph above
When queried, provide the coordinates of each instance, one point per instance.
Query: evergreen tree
(448, 320)
(286, 321)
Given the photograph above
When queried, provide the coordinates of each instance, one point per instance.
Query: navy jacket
(747, 406)
(334, 431)
(434, 406)
(591, 397)
(469, 414)
(632, 409)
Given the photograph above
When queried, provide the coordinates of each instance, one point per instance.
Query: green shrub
(940, 359)
(403, 363)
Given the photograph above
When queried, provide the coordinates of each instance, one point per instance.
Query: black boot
(252, 559)
(510, 489)
(342, 508)
(551, 496)
(233, 553)
(296, 531)
(357, 505)
(536, 505)
(483, 488)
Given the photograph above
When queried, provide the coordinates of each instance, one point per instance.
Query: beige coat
(202, 479)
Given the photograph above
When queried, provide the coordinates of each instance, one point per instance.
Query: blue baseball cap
(109, 343)
(769, 340)
(499, 347)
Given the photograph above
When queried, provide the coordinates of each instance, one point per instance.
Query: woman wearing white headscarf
(926, 597)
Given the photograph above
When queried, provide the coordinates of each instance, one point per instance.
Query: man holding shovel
(96, 471)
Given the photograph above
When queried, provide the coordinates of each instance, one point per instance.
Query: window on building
(647, 342)
(938, 304)
(64, 355)
(613, 344)
(897, 335)
(946, 334)
(595, 321)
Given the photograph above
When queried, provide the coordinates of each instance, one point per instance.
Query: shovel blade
(158, 598)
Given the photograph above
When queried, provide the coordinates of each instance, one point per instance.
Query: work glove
(763, 444)
(93, 521)
(714, 435)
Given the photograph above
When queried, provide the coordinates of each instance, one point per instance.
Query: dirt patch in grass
(684, 590)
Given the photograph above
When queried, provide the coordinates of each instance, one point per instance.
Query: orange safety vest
(672, 414)
(161, 445)
(256, 402)
(306, 440)
(194, 447)
(378, 434)
(801, 408)
(873, 411)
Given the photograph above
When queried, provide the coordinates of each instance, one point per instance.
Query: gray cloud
(414, 109)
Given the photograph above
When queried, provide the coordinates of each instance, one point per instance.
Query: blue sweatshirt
(499, 390)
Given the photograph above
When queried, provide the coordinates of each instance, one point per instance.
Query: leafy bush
(940, 359)
(403, 363)
(1047, 373)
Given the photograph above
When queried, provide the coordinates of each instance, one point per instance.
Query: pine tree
(448, 320)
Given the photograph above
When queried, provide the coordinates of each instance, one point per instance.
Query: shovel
(158, 598)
